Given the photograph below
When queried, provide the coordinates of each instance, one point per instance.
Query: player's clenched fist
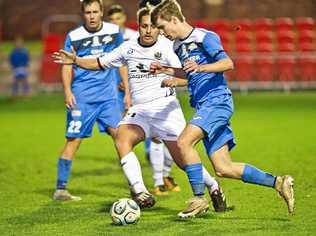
(191, 66)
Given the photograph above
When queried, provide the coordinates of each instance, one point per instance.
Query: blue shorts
(80, 121)
(213, 116)
(120, 97)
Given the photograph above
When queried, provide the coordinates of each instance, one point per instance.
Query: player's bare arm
(125, 86)
(70, 58)
(157, 68)
(66, 74)
(175, 82)
(219, 66)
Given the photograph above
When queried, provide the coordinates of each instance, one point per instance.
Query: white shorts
(162, 119)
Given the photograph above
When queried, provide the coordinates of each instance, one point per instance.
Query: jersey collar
(91, 31)
(187, 35)
(146, 46)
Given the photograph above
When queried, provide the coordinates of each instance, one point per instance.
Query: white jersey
(129, 34)
(144, 87)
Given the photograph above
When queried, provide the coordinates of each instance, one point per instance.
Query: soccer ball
(125, 211)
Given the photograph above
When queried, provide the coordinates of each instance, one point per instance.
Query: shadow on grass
(105, 171)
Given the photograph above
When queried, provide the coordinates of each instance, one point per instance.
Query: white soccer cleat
(64, 195)
(286, 191)
(196, 206)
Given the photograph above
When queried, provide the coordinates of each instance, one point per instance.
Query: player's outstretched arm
(70, 58)
(175, 82)
(157, 68)
(219, 66)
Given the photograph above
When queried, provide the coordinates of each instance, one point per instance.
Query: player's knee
(122, 145)
(184, 143)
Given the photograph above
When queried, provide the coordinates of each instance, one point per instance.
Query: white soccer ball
(125, 211)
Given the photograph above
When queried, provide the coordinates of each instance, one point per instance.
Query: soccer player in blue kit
(90, 96)
(204, 61)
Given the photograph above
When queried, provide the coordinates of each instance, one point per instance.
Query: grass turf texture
(275, 132)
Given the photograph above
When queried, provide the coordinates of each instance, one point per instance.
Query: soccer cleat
(284, 186)
(160, 190)
(171, 184)
(196, 206)
(64, 195)
(144, 199)
(218, 200)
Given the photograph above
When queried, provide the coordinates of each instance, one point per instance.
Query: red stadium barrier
(50, 71)
(305, 23)
(244, 24)
(264, 24)
(264, 37)
(284, 24)
(306, 36)
(244, 66)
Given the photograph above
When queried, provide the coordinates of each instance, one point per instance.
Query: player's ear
(174, 20)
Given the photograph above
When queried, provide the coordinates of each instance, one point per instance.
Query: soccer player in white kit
(155, 113)
(156, 152)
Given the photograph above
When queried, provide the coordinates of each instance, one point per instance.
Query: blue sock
(255, 176)
(195, 175)
(147, 145)
(64, 167)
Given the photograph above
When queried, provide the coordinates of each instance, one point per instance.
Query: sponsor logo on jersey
(192, 46)
(107, 39)
(158, 55)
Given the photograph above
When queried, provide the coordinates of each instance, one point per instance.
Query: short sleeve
(67, 44)
(173, 60)
(213, 46)
(120, 38)
(112, 59)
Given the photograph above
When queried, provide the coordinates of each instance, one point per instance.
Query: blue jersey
(90, 86)
(203, 47)
(19, 57)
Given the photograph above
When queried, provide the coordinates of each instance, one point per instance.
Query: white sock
(168, 161)
(157, 160)
(209, 181)
(133, 172)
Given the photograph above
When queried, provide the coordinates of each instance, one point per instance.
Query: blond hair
(165, 10)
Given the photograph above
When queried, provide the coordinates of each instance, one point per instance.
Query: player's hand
(191, 66)
(127, 101)
(156, 68)
(172, 83)
(70, 100)
(121, 86)
(64, 57)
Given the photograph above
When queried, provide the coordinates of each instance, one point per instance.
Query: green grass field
(275, 132)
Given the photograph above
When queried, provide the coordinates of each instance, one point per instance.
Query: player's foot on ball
(218, 200)
(196, 206)
(171, 184)
(160, 190)
(64, 195)
(284, 186)
(144, 199)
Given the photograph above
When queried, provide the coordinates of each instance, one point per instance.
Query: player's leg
(80, 122)
(26, 86)
(128, 136)
(225, 167)
(193, 166)
(156, 158)
(15, 87)
(216, 194)
(168, 180)
(147, 144)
